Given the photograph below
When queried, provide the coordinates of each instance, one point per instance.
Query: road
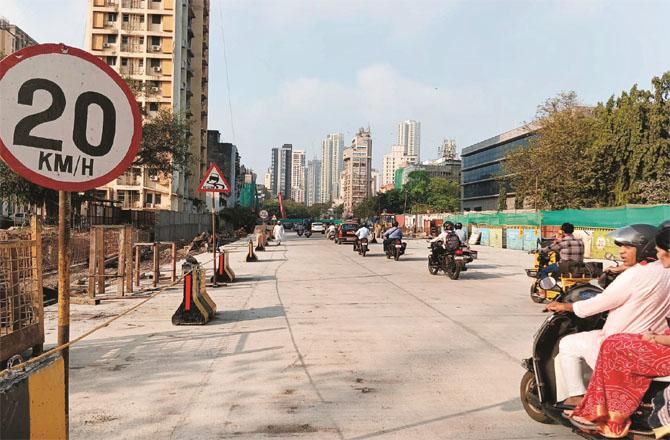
(314, 341)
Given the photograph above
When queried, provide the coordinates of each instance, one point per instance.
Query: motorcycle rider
(460, 232)
(331, 230)
(361, 233)
(392, 233)
(570, 250)
(637, 301)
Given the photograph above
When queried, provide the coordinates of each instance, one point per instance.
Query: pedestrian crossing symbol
(214, 181)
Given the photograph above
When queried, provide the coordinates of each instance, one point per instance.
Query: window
(124, 61)
(155, 62)
(141, 62)
(157, 199)
(126, 18)
(153, 106)
(149, 198)
(156, 19)
(111, 39)
(156, 41)
(111, 61)
(111, 16)
(124, 39)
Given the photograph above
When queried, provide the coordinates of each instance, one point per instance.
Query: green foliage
(613, 154)
(165, 143)
(239, 217)
(16, 188)
(422, 193)
(502, 198)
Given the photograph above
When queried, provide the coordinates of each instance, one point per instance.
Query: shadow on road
(248, 315)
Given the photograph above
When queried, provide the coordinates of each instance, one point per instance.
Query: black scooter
(538, 384)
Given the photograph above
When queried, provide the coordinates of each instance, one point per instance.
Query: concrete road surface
(314, 341)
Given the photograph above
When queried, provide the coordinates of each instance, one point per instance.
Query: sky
(468, 70)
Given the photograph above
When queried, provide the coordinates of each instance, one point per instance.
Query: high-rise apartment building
(12, 38)
(357, 176)
(331, 166)
(447, 150)
(298, 176)
(161, 47)
(313, 182)
(282, 164)
(393, 161)
(409, 136)
(227, 158)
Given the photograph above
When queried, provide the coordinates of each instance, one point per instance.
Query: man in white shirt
(361, 233)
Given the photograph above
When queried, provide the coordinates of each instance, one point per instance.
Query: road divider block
(32, 401)
(224, 273)
(196, 308)
(251, 257)
(261, 241)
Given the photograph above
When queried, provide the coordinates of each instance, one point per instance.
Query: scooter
(331, 235)
(538, 384)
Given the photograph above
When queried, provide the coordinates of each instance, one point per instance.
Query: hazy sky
(468, 70)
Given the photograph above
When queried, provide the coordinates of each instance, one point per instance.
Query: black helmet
(458, 225)
(395, 224)
(665, 224)
(448, 225)
(640, 236)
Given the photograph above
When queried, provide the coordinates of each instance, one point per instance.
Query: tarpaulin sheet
(608, 217)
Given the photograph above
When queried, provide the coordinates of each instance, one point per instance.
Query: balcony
(132, 4)
(132, 48)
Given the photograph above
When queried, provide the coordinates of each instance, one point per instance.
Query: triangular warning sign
(214, 181)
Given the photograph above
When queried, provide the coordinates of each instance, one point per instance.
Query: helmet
(665, 224)
(640, 236)
(448, 226)
(394, 224)
(458, 225)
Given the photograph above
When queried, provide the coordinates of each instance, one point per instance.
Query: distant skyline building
(282, 163)
(409, 136)
(313, 182)
(13, 38)
(375, 178)
(447, 150)
(357, 175)
(331, 166)
(298, 176)
(394, 160)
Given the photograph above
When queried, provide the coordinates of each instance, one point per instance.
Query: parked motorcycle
(538, 384)
(395, 248)
(308, 233)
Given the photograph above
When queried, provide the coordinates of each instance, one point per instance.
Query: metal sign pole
(214, 283)
(64, 291)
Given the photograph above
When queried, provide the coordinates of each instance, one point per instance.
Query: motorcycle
(451, 263)
(395, 248)
(308, 233)
(299, 230)
(361, 246)
(331, 235)
(568, 275)
(538, 384)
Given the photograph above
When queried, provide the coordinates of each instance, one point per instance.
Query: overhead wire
(225, 62)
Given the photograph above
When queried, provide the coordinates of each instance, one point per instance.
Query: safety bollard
(224, 273)
(251, 257)
(196, 308)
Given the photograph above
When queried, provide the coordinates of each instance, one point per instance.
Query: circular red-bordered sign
(67, 120)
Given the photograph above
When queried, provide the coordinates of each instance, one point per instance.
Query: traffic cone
(251, 257)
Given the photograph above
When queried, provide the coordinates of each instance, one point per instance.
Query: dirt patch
(293, 428)
(99, 418)
(288, 392)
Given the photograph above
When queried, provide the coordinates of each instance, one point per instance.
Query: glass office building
(482, 166)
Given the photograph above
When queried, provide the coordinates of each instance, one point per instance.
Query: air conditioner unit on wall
(154, 89)
(157, 69)
(111, 23)
(154, 178)
(156, 48)
(106, 45)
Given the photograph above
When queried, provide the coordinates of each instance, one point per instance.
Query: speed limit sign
(67, 120)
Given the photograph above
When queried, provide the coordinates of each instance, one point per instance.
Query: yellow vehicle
(566, 279)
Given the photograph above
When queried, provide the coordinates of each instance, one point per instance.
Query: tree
(655, 191)
(15, 188)
(165, 143)
(502, 197)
